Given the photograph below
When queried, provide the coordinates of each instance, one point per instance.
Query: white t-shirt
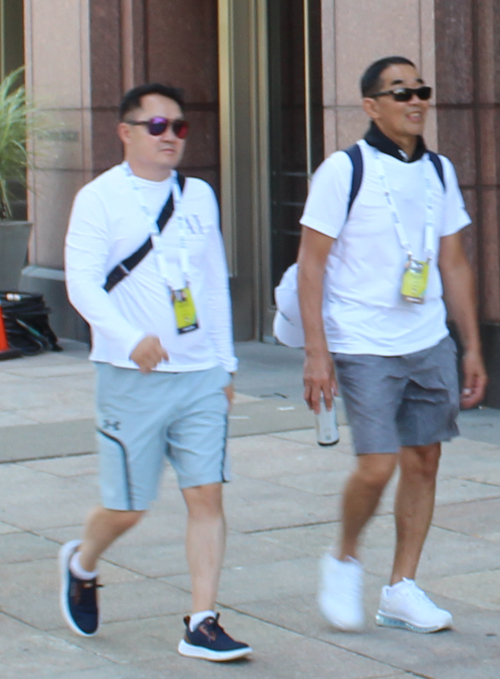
(107, 225)
(365, 311)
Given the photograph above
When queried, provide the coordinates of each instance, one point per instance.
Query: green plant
(17, 118)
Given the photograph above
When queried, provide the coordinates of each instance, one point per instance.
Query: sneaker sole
(342, 626)
(396, 623)
(65, 554)
(191, 651)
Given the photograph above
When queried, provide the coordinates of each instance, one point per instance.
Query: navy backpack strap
(438, 164)
(125, 267)
(354, 153)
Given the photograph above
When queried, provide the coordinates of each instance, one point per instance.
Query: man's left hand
(229, 391)
(475, 379)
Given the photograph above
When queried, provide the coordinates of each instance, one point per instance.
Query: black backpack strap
(354, 153)
(125, 267)
(438, 164)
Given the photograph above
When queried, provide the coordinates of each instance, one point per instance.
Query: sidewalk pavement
(283, 512)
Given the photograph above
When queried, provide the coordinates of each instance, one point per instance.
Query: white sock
(77, 570)
(196, 618)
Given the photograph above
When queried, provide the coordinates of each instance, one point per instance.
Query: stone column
(468, 91)
(58, 81)
(356, 33)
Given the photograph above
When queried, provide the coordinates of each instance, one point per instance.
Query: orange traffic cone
(5, 351)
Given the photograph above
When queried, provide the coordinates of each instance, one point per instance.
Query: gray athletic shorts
(144, 419)
(394, 401)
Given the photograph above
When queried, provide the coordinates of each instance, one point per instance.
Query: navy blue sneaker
(210, 642)
(78, 598)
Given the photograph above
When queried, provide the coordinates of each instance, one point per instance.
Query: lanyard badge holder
(180, 293)
(416, 272)
(182, 299)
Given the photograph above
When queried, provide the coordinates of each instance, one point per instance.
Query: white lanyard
(154, 231)
(429, 245)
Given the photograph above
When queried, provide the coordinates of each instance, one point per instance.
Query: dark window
(12, 35)
(288, 122)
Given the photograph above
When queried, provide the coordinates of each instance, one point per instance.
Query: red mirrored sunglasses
(158, 125)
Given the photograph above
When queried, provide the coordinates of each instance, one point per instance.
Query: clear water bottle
(327, 431)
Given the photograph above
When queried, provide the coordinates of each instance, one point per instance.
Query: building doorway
(271, 140)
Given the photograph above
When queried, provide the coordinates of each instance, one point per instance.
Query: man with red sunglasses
(145, 267)
(371, 280)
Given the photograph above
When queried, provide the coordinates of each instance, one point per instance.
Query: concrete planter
(14, 238)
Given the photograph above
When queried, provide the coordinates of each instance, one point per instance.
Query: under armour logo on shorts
(110, 424)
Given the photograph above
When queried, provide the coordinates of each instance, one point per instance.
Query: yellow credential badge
(184, 310)
(414, 283)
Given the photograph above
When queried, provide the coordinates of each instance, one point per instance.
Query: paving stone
(135, 640)
(248, 510)
(79, 410)
(311, 540)
(261, 581)
(45, 370)
(444, 553)
(107, 670)
(472, 460)
(476, 519)
(453, 490)
(27, 653)
(266, 415)
(239, 398)
(279, 456)
(6, 528)
(258, 548)
(21, 546)
(13, 418)
(76, 465)
(153, 558)
(479, 588)
(33, 499)
(317, 482)
(53, 439)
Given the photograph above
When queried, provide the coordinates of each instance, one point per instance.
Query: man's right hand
(148, 353)
(319, 378)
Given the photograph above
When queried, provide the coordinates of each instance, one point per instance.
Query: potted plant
(17, 119)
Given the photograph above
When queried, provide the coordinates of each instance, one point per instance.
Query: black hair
(132, 99)
(370, 80)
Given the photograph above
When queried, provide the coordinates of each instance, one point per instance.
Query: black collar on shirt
(375, 137)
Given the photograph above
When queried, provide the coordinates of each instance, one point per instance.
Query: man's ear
(370, 107)
(124, 132)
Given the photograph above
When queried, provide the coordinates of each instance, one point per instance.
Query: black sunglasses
(423, 92)
(157, 126)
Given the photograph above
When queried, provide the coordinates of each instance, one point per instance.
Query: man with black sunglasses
(372, 272)
(145, 267)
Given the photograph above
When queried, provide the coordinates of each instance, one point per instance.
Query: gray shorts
(394, 401)
(142, 420)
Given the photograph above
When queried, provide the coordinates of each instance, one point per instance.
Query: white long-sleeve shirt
(107, 225)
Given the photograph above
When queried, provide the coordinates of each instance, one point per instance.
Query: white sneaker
(340, 595)
(406, 606)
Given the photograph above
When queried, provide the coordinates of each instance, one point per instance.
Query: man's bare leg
(414, 506)
(340, 595)
(361, 497)
(78, 565)
(403, 605)
(205, 543)
(102, 528)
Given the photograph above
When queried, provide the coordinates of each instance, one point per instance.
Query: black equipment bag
(26, 320)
